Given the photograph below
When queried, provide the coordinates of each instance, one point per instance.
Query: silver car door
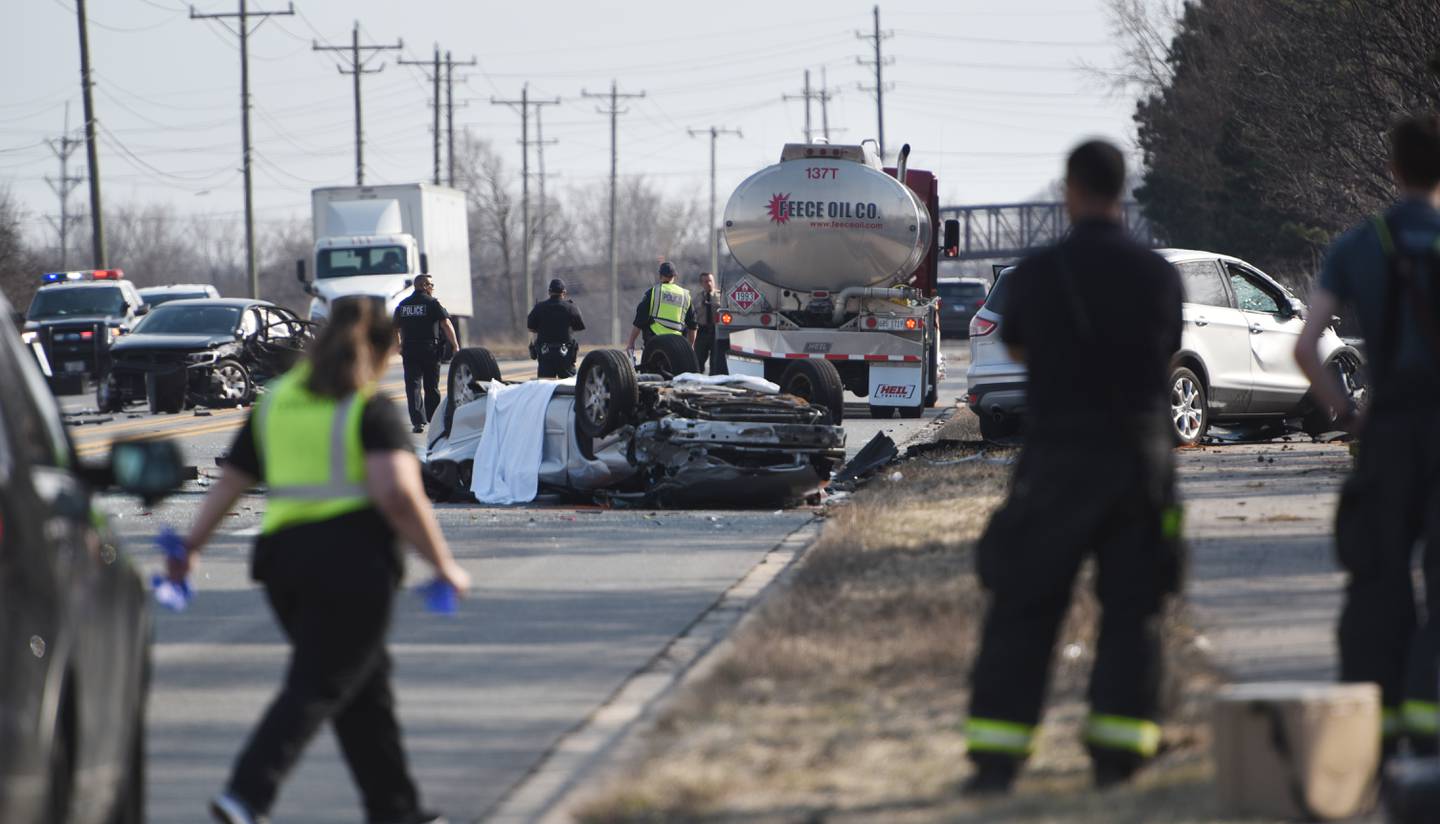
(1278, 383)
(1218, 333)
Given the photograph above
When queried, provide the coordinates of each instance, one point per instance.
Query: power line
(92, 156)
(450, 64)
(805, 95)
(614, 111)
(524, 104)
(715, 132)
(243, 30)
(434, 78)
(879, 62)
(64, 185)
(357, 68)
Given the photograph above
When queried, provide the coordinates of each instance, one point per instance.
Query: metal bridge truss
(1010, 230)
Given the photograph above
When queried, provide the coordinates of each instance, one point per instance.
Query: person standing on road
(708, 318)
(343, 487)
(1388, 269)
(1095, 478)
(554, 322)
(420, 321)
(664, 309)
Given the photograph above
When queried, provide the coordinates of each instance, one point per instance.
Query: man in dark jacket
(420, 321)
(1096, 298)
(708, 315)
(554, 322)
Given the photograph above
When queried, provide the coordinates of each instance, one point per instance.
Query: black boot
(1113, 768)
(994, 775)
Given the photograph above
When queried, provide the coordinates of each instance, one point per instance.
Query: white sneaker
(227, 809)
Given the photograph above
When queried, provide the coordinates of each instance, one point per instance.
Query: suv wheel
(1189, 409)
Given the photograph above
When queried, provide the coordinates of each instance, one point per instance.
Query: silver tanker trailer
(838, 290)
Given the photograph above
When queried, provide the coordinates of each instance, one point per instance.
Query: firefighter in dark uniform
(664, 309)
(554, 322)
(420, 321)
(343, 489)
(1094, 478)
(708, 316)
(1388, 270)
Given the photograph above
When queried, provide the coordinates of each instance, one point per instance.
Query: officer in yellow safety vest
(343, 488)
(665, 309)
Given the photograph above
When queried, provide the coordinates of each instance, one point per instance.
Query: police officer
(1094, 479)
(420, 320)
(554, 321)
(709, 318)
(665, 309)
(1388, 270)
(343, 489)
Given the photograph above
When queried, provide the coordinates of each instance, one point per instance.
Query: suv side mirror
(142, 309)
(1296, 308)
(148, 469)
(951, 247)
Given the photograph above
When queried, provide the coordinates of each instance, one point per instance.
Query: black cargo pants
(553, 363)
(1389, 503)
(1070, 499)
(422, 380)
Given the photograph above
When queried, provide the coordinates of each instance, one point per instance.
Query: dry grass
(842, 700)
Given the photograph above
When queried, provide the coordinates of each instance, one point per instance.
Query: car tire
(239, 386)
(606, 392)
(818, 382)
(668, 356)
(1189, 407)
(882, 413)
(1317, 420)
(469, 369)
(107, 395)
(165, 391)
(997, 427)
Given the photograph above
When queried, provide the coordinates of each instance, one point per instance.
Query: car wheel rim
(597, 397)
(464, 389)
(1185, 410)
(1346, 369)
(232, 383)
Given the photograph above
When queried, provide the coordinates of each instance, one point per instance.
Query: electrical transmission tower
(614, 111)
(359, 56)
(434, 78)
(450, 65)
(524, 104)
(243, 30)
(715, 132)
(64, 185)
(807, 95)
(540, 144)
(825, 94)
(879, 62)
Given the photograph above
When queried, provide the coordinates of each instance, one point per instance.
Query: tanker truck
(838, 288)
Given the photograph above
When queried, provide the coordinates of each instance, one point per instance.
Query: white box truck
(374, 240)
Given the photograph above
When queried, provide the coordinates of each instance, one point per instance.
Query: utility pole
(357, 68)
(525, 103)
(879, 88)
(64, 185)
(715, 132)
(825, 95)
(434, 101)
(806, 95)
(614, 111)
(540, 143)
(243, 30)
(450, 65)
(92, 157)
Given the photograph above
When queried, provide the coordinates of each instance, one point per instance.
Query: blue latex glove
(170, 594)
(439, 597)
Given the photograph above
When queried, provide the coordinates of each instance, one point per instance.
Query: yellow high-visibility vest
(668, 306)
(314, 463)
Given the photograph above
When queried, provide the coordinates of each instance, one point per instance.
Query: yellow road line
(97, 447)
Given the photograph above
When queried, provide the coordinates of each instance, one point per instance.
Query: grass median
(842, 698)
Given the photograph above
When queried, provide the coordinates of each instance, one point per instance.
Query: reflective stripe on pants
(1421, 717)
(1116, 732)
(990, 735)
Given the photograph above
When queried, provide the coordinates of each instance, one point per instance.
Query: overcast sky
(988, 94)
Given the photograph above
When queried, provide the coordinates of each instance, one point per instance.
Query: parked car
(1236, 361)
(687, 441)
(202, 352)
(74, 316)
(156, 295)
(75, 620)
(960, 299)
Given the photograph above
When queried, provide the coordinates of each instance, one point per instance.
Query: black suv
(74, 316)
(74, 614)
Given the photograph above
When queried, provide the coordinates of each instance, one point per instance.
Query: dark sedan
(960, 298)
(74, 616)
(202, 352)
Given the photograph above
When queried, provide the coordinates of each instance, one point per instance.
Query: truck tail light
(872, 322)
(980, 327)
(726, 318)
(912, 324)
(765, 320)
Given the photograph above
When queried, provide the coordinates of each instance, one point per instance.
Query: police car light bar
(88, 274)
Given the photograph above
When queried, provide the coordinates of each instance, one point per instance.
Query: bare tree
(19, 266)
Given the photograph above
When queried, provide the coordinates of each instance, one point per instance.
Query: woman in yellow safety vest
(343, 485)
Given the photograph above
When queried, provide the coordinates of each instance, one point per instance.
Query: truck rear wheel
(605, 392)
(817, 382)
(668, 356)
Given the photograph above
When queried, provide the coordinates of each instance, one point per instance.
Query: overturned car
(647, 439)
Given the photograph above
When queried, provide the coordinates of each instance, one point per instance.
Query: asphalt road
(569, 604)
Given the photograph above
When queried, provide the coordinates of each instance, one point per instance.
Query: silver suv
(1236, 361)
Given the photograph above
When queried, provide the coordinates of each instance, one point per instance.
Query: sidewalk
(1264, 583)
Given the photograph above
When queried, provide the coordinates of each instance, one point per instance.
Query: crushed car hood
(187, 343)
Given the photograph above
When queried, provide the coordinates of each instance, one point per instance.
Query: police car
(74, 316)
